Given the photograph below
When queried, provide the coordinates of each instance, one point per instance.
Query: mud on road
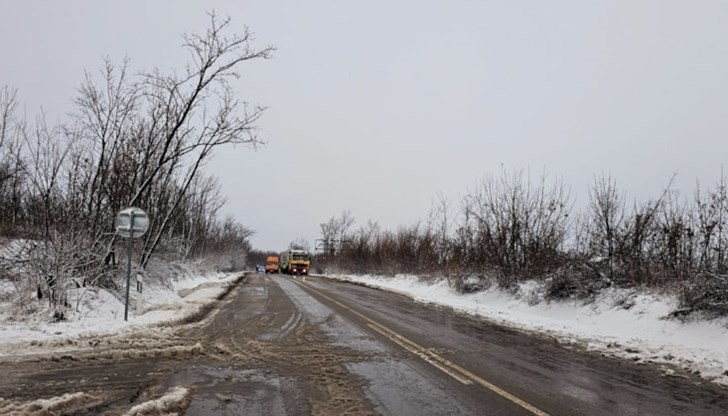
(247, 353)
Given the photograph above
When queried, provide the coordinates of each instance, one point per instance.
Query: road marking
(418, 352)
(443, 364)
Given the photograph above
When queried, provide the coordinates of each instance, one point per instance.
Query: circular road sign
(128, 216)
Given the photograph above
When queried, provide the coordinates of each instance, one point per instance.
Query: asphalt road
(537, 371)
(283, 346)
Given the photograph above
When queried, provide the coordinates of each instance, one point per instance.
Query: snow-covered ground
(619, 322)
(101, 313)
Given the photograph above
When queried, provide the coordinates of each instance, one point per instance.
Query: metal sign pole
(126, 226)
(140, 289)
(128, 267)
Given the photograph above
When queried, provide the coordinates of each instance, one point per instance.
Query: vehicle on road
(295, 262)
(272, 264)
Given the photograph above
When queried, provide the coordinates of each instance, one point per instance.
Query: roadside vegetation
(510, 229)
(131, 139)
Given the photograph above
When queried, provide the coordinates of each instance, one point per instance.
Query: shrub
(469, 283)
(706, 293)
(576, 281)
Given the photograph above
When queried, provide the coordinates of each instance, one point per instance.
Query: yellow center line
(418, 352)
(443, 364)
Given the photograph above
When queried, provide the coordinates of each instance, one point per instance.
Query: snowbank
(619, 322)
(65, 404)
(174, 401)
(101, 313)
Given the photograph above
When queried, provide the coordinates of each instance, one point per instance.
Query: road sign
(131, 217)
(131, 223)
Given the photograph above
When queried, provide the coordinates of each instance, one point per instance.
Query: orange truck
(271, 264)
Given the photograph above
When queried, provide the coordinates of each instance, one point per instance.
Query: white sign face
(123, 221)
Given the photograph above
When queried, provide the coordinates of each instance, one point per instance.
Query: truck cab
(295, 262)
(272, 264)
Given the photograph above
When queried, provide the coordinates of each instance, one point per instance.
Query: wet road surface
(554, 379)
(282, 346)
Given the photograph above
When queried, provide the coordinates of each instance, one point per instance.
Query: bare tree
(8, 106)
(300, 243)
(334, 232)
(189, 121)
(441, 221)
(606, 207)
(132, 140)
(46, 151)
(11, 160)
(516, 227)
(196, 127)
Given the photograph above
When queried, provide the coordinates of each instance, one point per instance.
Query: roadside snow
(65, 404)
(100, 312)
(174, 402)
(619, 322)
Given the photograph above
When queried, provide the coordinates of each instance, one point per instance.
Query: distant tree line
(131, 140)
(509, 229)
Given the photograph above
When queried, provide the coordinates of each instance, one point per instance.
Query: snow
(12, 248)
(101, 313)
(57, 405)
(174, 402)
(620, 322)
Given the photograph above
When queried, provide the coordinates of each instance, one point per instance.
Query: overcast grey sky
(376, 106)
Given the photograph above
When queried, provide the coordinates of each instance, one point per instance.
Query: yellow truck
(295, 262)
(271, 264)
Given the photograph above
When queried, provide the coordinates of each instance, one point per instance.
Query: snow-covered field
(619, 322)
(101, 313)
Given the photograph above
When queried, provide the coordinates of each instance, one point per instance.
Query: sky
(376, 107)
